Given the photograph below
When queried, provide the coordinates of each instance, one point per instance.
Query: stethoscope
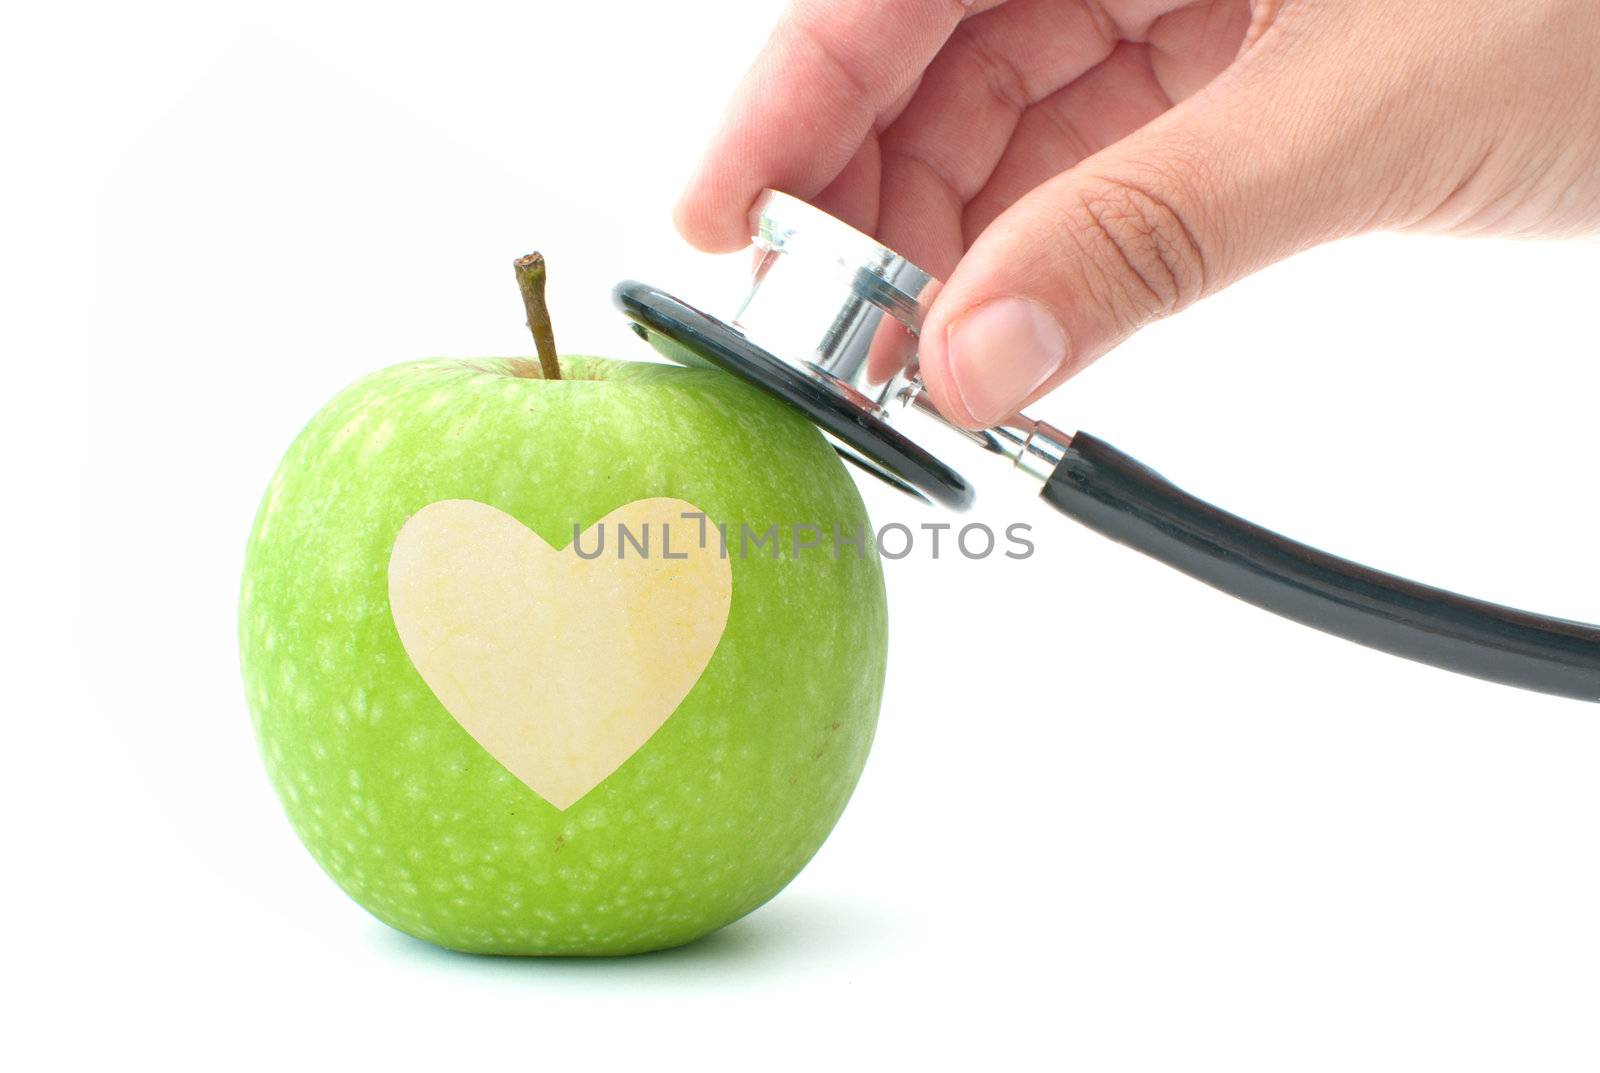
(829, 326)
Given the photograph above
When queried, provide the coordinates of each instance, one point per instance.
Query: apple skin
(718, 810)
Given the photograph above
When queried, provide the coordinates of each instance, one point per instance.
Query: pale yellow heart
(561, 667)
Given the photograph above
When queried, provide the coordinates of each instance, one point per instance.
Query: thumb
(1250, 170)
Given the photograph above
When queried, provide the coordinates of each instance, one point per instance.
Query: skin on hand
(1075, 169)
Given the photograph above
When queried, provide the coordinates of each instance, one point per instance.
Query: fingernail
(1000, 353)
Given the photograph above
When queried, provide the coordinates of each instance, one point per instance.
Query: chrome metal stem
(1034, 447)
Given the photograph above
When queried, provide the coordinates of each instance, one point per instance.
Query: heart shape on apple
(559, 665)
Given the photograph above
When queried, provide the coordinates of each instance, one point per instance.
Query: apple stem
(530, 280)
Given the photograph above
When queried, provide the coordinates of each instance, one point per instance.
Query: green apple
(439, 834)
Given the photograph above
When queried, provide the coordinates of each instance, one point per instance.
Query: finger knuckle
(1007, 82)
(1146, 253)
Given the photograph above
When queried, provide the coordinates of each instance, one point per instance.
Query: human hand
(1075, 169)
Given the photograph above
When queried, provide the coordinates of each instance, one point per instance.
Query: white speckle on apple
(378, 439)
(347, 430)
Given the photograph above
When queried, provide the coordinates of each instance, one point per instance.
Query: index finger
(828, 73)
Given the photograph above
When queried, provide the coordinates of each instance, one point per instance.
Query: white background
(1112, 821)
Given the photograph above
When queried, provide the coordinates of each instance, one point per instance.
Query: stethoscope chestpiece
(829, 326)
